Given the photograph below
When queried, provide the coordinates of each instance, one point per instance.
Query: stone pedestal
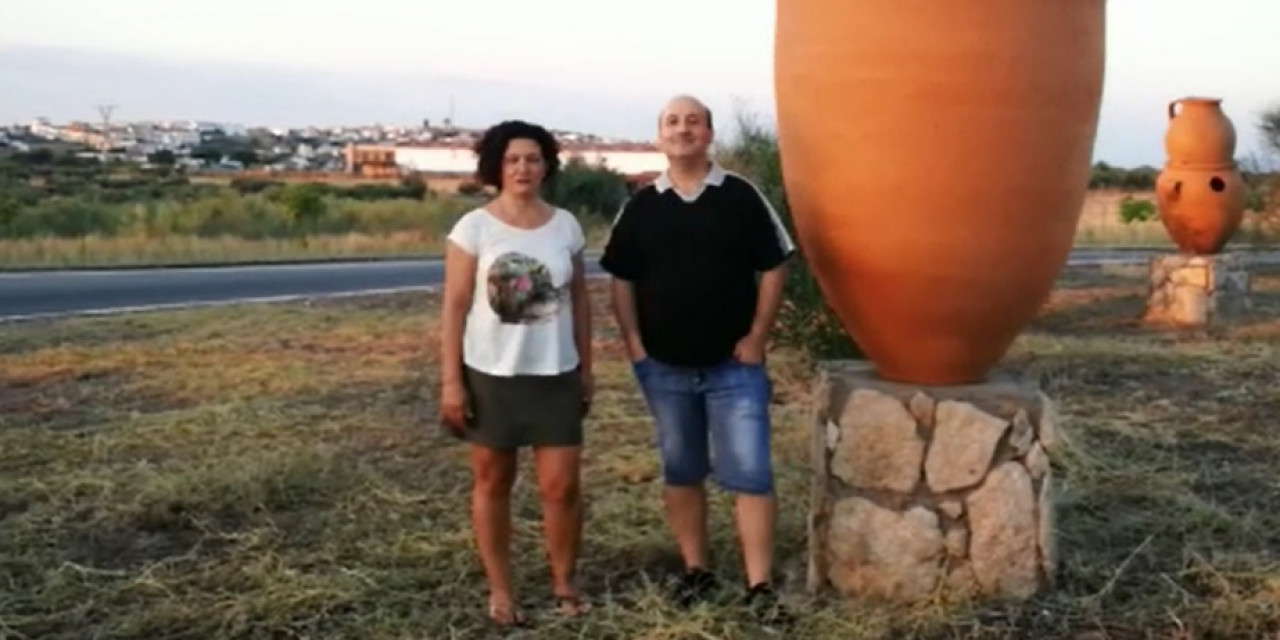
(920, 491)
(1195, 291)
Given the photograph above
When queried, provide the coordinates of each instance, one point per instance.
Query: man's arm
(769, 300)
(624, 312)
(622, 261)
(772, 246)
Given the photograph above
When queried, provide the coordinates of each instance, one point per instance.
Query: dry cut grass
(1100, 224)
(128, 251)
(276, 472)
(113, 251)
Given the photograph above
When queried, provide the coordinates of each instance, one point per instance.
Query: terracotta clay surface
(1200, 192)
(936, 156)
(1201, 209)
(1199, 134)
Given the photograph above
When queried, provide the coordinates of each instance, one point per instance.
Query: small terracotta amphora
(1199, 134)
(1201, 209)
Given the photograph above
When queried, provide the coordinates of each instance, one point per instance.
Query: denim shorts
(713, 419)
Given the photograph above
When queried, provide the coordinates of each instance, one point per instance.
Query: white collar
(714, 177)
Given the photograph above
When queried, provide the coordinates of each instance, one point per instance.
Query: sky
(594, 65)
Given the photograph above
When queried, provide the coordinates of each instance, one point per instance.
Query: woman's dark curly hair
(492, 146)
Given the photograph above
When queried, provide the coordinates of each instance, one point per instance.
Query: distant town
(373, 152)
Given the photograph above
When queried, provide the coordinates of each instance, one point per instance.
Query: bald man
(697, 260)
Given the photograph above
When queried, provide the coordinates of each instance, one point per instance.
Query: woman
(515, 361)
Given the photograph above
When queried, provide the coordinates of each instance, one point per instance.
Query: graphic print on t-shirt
(520, 290)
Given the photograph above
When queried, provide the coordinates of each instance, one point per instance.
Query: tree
(305, 202)
(1265, 194)
(163, 158)
(1269, 126)
(38, 156)
(207, 153)
(10, 209)
(245, 156)
(805, 320)
(585, 189)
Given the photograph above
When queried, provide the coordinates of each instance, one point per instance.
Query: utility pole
(105, 110)
(448, 119)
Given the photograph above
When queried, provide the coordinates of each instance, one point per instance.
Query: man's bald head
(682, 104)
(684, 129)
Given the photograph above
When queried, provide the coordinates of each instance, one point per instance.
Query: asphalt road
(52, 293)
(45, 293)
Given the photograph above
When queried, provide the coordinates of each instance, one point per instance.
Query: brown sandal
(570, 605)
(507, 617)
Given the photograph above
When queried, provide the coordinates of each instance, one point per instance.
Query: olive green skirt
(509, 412)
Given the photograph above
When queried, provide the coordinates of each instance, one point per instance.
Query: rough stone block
(1194, 291)
(920, 491)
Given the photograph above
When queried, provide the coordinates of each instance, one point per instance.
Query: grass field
(1099, 226)
(276, 472)
(125, 251)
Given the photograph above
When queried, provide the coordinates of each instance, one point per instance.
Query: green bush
(1136, 210)
(66, 217)
(1105, 176)
(805, 320)
(589, 192)
(288, 212)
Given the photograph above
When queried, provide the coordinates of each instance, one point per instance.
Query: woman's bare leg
(558, 482)
(493, 472)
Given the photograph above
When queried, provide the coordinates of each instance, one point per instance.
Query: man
(697, 263)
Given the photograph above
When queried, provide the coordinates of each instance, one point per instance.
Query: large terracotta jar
(935, 158)
(1201, 209)
(1199, 134)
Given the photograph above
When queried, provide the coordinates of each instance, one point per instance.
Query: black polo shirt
(693, 263)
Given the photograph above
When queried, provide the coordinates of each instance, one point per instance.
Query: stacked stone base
(1196, 291)
(926, 492)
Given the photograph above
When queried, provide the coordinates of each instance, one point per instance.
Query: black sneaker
(696, 585)
(764, 604)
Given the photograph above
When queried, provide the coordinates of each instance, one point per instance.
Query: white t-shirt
(521, 316)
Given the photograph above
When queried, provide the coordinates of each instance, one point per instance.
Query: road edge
(232, 264)
(199, 304)
(263, 262)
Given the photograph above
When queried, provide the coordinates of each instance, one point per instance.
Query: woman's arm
(459, 283)
(581, 313)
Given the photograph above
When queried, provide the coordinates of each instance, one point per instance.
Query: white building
(457, 159)
(627, 161)
(173, 138)
(436, 159)
(42, 128)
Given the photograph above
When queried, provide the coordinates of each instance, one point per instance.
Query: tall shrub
(588, 191)
(805, 320)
